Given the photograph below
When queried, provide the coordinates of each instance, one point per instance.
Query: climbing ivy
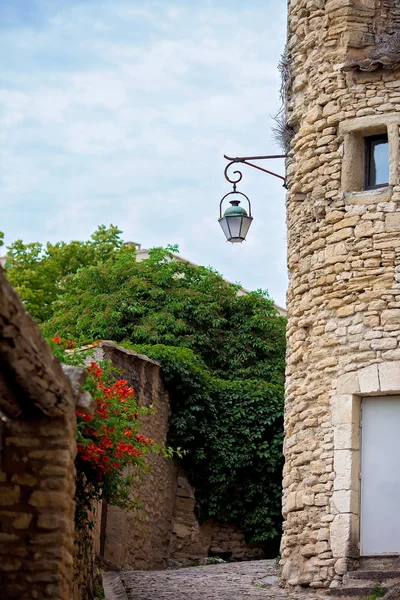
(232, 432)
(222, 355)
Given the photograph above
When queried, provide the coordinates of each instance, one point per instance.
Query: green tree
(174, 303)
(36, 271)
(222, 355)
(232, 431)
(1, 238)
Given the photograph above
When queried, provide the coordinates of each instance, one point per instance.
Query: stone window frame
(353, 133)
(377, 379)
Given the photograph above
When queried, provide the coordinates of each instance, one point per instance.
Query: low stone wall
(191, 542)
(166, 528)
(228, 540)
(141, 540)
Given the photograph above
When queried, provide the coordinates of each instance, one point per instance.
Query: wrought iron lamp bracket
(245, 160)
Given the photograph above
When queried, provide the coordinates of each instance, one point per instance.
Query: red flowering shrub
(110, 446)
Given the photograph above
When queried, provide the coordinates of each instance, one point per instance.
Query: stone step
(373, 575)
(379, 563)
(355, 592)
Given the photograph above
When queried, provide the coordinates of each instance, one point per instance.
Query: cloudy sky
(120, 111)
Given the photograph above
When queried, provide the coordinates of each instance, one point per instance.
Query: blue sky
(117, 111)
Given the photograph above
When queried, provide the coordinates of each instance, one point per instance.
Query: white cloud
(111, 112)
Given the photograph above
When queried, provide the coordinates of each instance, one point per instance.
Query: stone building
(38, 400)
(342, 471)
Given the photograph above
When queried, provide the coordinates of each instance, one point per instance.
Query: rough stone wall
(166, 528)
(344, 268)
(37, 484)
(37, 452)
(191, 542)
(141, 540)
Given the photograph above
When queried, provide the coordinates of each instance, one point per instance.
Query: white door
(380, 476)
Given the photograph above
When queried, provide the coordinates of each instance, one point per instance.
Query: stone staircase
(374, 574)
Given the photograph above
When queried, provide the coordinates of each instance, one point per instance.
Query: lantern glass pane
(224, 224)
(235, 225)
(245, 226)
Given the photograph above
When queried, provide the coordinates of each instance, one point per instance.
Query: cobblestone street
(232, 581)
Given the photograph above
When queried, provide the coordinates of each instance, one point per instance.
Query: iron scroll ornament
(244, 160)
(235, 222)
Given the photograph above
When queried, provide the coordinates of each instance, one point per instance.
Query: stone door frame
(377, 379)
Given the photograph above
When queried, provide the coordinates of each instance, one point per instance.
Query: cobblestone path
(233, 581)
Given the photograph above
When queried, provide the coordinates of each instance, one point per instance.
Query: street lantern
(235, 221)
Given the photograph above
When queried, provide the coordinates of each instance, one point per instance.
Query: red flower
(106, 442)
(144, 440)
(95, 370)
(128, 433)
(56, 339)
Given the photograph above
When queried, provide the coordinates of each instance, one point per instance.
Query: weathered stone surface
(344, 262)
(37, 437)
(250, 580)
(167, 528)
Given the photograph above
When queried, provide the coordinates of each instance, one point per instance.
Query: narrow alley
(231, 581)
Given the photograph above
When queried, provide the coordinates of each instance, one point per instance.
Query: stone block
(390, 316)
(314, 114)
(321, 547)
(343, 466)
(345, 501)
(323, 534)
(61, 457)
(368, 379)
(24, 479)
(51, 522)
(384, 344)
(9, 495)
(346, 436)
(308, 550)
(182, 531)
(345, 409)
(392, 222)
(343, 532)
(49, 500)
(22, 521)
(341, 566)
(348, 382)
(389, 376)
(7, 537)
(10, 564)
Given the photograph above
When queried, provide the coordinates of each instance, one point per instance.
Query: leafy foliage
(222, 354)
(109, 440)
(36, 271)
(174, 303)
(232, 431)
(1, 238)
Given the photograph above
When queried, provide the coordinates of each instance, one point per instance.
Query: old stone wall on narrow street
(344, 268)
(191, 541)
(37, 450)
(141, 539)
(166, 527)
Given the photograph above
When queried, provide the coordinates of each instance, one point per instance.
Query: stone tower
(343, 216)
